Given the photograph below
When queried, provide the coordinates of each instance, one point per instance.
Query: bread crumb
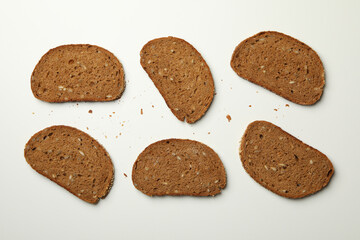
(105, 136)
(87, 128)
(208, 132)
(116, 136)
(90, 111)
(228, 117)
(113, 112)
(33, 113)
(141, 111)
(287, 105)
(249, 105)
(152, 106)
(275, 109)
(125, 175)
(110, 115)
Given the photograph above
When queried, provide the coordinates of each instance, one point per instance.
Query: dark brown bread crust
(72, 159)
(281, 64)
(181, 75)
(78, 72)
(179, 167)
(282, 163)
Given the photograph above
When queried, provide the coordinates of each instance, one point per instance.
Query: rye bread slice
(179, 167)
(281, 64)
(282, 163)
(78, 72)
(73, 160)
(181, 75)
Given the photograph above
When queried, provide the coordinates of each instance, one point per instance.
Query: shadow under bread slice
(72, 159)
(281, 64)
(179, 167)
(78, 72)
(181, 75)
(282, 163)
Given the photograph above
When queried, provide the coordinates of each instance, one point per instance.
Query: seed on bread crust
(293, 70)
(299, 165)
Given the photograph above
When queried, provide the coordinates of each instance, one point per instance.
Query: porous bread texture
(281, 64)
(282, 163)
(73, 160)
(179, 167)
(181, 75)
(78, 72)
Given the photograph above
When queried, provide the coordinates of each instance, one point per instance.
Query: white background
(32, 207)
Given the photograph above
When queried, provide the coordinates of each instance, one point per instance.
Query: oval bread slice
(281, 64)
(181, 75)
(179, 167)
(78, 72)
(282, 163)
(73, 160)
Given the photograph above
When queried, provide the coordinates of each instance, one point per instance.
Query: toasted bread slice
(281, 64)
(73, 160)
(282, 163)
(181, 75)
(179, 167)
(78, 72)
